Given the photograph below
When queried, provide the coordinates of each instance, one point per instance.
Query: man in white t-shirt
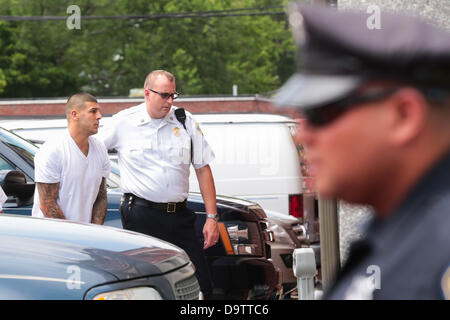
(71, 169)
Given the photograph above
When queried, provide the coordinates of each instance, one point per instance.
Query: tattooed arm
(48, 193)
(100, 205)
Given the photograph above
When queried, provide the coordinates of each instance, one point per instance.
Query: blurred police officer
(154, 151)
(377, 132)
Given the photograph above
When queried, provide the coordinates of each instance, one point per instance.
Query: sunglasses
(326, 114)
(166, 95)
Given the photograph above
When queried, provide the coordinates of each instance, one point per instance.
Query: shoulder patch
(445, 283)
(197, 126)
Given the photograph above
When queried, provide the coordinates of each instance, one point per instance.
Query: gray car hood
(48, 246)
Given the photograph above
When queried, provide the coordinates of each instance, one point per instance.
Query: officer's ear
(147, 94)
(74, 114)
(407, 109)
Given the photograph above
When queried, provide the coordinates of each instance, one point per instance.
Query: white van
(256, 159)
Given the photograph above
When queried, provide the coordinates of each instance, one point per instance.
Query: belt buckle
(169, 208)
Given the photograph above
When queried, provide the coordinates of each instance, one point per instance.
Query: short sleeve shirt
(155, 154)
(79, 176)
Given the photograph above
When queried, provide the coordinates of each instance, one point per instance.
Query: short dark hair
(77, 101)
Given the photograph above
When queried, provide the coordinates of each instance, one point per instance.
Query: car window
(23, 148)
(5, 165)
(114, 176)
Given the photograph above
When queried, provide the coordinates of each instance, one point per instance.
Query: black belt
(169, 207)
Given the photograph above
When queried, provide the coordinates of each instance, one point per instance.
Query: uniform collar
(144, 118)
(170, 116)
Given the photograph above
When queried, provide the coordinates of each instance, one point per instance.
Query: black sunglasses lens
(323, 115)
(168, 95)
(326, 114)
(314, 117)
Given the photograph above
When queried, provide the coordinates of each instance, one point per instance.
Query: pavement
(351, 219)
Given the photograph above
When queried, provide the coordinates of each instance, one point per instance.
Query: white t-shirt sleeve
(47, 164)
(108, 133)
(106, 167)
(3, 198)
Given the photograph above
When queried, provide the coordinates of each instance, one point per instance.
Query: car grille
(187, 289)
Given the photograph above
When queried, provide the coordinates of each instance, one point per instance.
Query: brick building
(226, 104)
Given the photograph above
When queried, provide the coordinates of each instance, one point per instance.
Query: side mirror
(15, 184)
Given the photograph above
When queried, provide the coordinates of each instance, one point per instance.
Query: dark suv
(239, 262)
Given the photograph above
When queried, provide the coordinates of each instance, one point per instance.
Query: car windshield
(22, 147)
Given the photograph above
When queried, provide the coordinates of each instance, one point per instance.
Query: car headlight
(138, 293)
(240, 238)
(280, 234)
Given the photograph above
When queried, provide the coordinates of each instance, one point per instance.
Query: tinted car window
(22, 147)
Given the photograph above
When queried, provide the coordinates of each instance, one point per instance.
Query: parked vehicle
(256, 160)
(239, 262)
(280, 226)
(54, 259)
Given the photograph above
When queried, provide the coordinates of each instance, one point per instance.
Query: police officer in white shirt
(71, 169)
(154, 152)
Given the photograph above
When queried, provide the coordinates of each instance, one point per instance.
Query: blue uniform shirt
(406, 256)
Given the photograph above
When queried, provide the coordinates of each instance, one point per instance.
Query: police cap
(340, 50)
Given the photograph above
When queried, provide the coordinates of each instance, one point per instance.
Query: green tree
(108, 57)
(34, 61)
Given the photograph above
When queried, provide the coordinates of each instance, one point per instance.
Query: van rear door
(257, 161)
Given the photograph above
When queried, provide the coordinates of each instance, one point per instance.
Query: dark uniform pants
(177, 228)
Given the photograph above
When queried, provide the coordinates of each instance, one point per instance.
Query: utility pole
(329, 241)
